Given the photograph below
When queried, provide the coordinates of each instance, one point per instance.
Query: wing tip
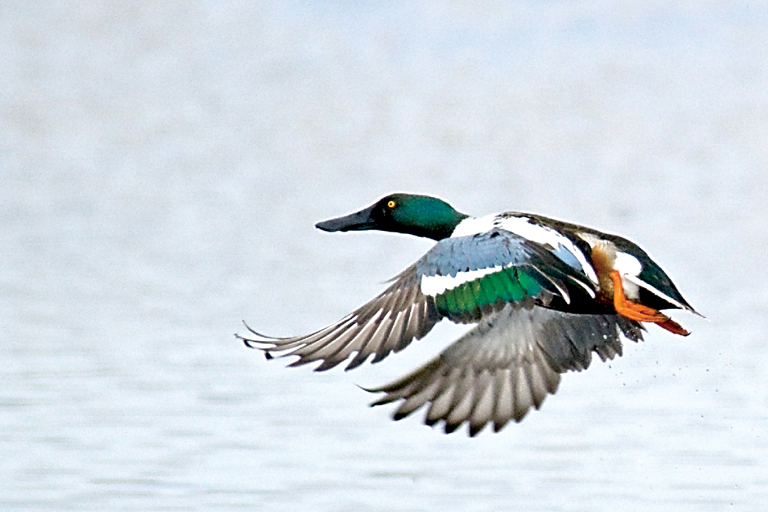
(259, 338)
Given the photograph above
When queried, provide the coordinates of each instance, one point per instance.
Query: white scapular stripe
(435, 285)
(547, 236)
(642, 284)
(534, 232)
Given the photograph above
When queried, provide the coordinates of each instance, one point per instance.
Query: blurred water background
(162, 165)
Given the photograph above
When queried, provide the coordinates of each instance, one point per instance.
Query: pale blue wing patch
(474, 275)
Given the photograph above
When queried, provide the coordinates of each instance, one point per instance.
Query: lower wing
(505, 365)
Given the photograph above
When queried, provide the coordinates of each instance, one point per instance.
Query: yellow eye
(391, 203)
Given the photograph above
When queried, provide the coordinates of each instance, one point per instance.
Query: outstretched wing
(463, 279)
(506, 365)
(386, 324)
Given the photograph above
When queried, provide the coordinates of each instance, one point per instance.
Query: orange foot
(639, 312)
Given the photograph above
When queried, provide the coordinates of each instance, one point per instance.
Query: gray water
(163, 163)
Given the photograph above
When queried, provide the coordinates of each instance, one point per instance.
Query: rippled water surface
(162, 166)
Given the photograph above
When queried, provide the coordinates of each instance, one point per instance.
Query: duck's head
(424, 216)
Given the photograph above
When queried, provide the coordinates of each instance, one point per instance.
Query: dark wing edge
(388, 323)
(505, 366)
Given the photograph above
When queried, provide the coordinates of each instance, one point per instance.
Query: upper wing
(506, 365)
(472, 276)
(463, 279)
(387, 323)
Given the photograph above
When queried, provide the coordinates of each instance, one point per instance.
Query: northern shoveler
(544, 294)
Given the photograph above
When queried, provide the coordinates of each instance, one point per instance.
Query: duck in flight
(543, 295)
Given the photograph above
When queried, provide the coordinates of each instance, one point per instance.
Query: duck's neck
(437, 227)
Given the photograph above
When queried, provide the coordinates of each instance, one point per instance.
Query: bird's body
(544, 294)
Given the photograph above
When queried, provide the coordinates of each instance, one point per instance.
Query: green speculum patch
(508, 285)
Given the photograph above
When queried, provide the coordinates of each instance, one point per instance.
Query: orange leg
(639, 312)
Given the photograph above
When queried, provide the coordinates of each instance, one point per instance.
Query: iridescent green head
(424, 216)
